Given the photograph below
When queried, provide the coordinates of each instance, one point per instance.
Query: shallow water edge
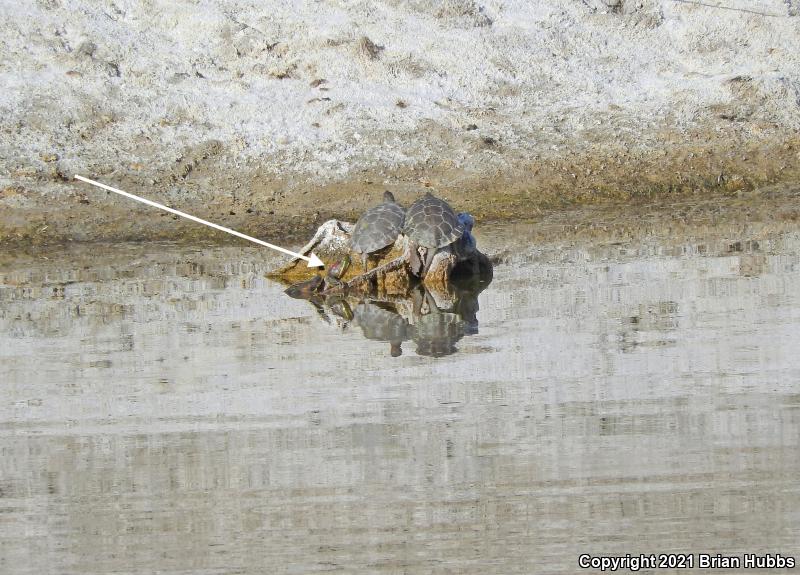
(47, 206)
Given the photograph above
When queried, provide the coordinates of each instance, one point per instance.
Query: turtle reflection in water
(380, 321)
(436, 331)
(434, 327)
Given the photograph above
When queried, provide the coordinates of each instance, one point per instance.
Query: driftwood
(329, 243)
(375, 275)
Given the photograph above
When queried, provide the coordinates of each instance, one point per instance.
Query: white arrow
(313, 261)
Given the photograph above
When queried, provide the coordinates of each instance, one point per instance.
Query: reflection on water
(170, 410)
(434, 326)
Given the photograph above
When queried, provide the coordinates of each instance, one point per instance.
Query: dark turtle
(432, 224)
(336, 271)
(377, 228)
(465, 249)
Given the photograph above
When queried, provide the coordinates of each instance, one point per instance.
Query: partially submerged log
(389, 271)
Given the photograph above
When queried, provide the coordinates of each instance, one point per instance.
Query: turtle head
(388, 197)
(338, 269)
(466, 220)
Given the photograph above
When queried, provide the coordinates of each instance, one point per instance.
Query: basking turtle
(377, 228)
(467, 244)
(432, 224)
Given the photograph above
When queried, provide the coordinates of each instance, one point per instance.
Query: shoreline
(764, 210)
(48, 210)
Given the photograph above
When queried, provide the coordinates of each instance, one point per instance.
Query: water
(168, 409)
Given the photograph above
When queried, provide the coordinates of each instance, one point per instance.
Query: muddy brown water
(168, 409)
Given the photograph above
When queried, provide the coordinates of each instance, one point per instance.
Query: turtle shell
(377, 228)
(432, 223)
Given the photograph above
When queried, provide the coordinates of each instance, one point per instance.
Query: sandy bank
(271, 117)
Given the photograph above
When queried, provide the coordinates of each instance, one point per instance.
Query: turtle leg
(414, 261)
(429, 253)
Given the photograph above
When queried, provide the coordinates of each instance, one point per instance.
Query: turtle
(465, 249)
(377, 228)
(432, 224)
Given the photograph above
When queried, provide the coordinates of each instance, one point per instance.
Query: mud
(254, 203)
